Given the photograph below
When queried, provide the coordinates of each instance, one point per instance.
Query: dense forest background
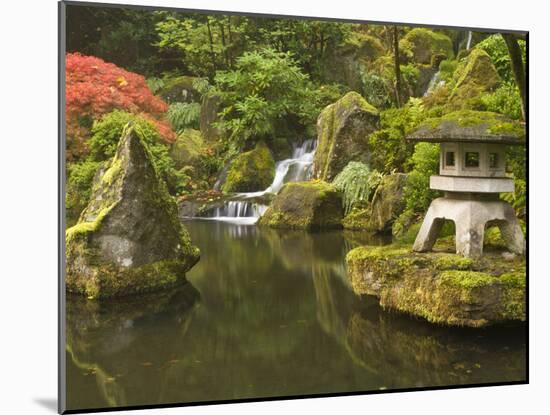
(206, 89)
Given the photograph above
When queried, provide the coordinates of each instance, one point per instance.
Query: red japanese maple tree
(95, 87)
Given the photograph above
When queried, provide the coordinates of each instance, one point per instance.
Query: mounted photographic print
(259, 207)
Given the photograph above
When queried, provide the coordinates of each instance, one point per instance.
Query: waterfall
(245, 208)
(469, 41)
(434, 83)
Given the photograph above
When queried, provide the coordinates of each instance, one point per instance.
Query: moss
(251, 171)
(442, 288)
(452, 261)
(358, 219)
(479, 123)
(420, 45)
(342, 132)
(305, 205)
(466, 279)
(131, 181)
(474, 76)
(187, 148)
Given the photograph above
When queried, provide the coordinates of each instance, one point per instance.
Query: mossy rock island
(251, 171)
(342, 130)
(129, 239)
(442, 287)
(305, 205)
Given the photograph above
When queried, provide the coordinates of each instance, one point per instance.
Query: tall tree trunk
(230, 52)
(397, 67)
(224, 46)
(518, 68)
(212, 53)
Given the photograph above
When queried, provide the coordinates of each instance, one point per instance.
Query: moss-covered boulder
(421, 45)
(342, 131)
(179, 89)
(186, 150)
(441, 287)
(251, 171)
(387, 204)
(210, 107)
(346, 64)
(474, 76)
(305, 205)
(129, 239)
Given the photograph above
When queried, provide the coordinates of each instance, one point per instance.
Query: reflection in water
(276, 317)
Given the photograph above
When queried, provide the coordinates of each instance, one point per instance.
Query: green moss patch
(305, 205)
(251, 171)
(443, 288)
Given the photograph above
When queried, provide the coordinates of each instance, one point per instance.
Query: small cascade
(435, 82)
(245, 208)
(469, 41)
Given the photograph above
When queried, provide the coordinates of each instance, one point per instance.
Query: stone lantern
(472, 173)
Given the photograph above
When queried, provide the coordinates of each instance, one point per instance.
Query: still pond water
(269, 313)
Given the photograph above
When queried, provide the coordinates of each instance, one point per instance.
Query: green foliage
(425, 161)
(376, 89)
(505, 100)
(267, 87)
(496, 48)
(79, 187)
(155, 84)
(184, 115)
(392, 152)
(447, 69)
(357, 184)
(107, 132)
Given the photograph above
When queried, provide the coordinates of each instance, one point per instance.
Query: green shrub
(184, 115)
(376, 89)
(425, 161)
(266, 89)
(505, 100)
(390, 149)
(155, 84)
(496, 48)
(357, 184)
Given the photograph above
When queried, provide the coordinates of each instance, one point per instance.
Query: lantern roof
(470, 127)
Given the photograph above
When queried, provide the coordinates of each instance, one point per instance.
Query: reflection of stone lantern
(472, 174)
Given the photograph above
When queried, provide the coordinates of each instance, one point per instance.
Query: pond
(268, 313)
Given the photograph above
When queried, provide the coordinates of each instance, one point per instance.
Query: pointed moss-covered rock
(441, 287)
(342, 130)
(473, 77)
(129, 239)
(251, 171)
(305, 205)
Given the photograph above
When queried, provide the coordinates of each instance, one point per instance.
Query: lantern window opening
(471, 159)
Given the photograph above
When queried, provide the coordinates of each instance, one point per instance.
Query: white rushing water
(435, 82)
(245, 208)
(469, 41)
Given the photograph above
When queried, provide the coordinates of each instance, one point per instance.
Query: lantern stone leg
(471, 217)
